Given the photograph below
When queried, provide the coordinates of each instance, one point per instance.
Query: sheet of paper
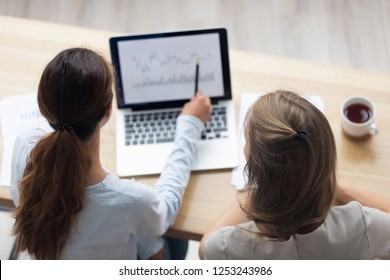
(239, 178)
(17, 113)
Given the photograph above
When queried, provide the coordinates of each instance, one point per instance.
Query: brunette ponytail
(75, 93)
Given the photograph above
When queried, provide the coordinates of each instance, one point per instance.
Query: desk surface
(27, 46)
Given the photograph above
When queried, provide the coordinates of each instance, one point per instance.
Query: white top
(122, 218)
(350, 231)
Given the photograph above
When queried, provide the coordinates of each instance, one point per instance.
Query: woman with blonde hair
(67, 205)
(285, 211)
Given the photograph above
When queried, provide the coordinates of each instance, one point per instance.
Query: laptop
(155, 77)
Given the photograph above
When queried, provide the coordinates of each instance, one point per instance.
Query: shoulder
(28, 138)
(113, 189)
(375, 220)
(230, 241)
(362, 227)
(350, 210)
(345, 220)
(354, 212)
(376, 224)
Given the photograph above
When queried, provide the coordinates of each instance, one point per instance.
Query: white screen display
(163, 69)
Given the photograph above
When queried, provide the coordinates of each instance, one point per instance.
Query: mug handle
(373, 129)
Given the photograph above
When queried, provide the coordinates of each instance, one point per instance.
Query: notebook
(155, 77)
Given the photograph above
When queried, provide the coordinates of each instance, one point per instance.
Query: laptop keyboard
(160, 127)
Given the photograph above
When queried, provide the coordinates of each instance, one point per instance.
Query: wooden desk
(27, 46)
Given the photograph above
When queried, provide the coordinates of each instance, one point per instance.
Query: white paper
(239, 179)
(17, 113)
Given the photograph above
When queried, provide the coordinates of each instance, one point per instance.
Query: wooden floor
(352, 33)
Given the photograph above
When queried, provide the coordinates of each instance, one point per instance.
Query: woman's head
(76, 89)
(74, 95)
(291, 162)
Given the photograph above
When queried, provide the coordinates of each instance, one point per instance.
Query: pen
(196, 75)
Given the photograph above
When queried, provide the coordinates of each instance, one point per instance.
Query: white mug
(358, 114)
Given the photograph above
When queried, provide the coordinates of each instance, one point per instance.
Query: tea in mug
(358, 113)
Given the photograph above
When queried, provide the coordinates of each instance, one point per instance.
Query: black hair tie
(301, 134)
(61, 125)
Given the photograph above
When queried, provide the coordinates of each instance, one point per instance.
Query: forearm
(365, 197)
(175, 176)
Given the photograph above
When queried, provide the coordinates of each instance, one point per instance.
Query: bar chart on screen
(174, 80)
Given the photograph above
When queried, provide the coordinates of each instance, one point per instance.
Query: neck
(96, 173)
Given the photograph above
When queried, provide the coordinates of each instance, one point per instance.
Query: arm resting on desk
(233, 215)
(367, 198)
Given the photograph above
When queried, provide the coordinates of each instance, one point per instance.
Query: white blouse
(123, 218)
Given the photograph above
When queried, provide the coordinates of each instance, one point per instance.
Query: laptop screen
(158, 70)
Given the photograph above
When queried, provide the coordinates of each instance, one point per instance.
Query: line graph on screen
(155, 60)
(170, 69)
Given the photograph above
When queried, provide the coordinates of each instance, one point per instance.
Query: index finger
(199, 94)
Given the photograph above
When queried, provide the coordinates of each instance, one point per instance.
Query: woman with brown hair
(67, 205)
(285, 211)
